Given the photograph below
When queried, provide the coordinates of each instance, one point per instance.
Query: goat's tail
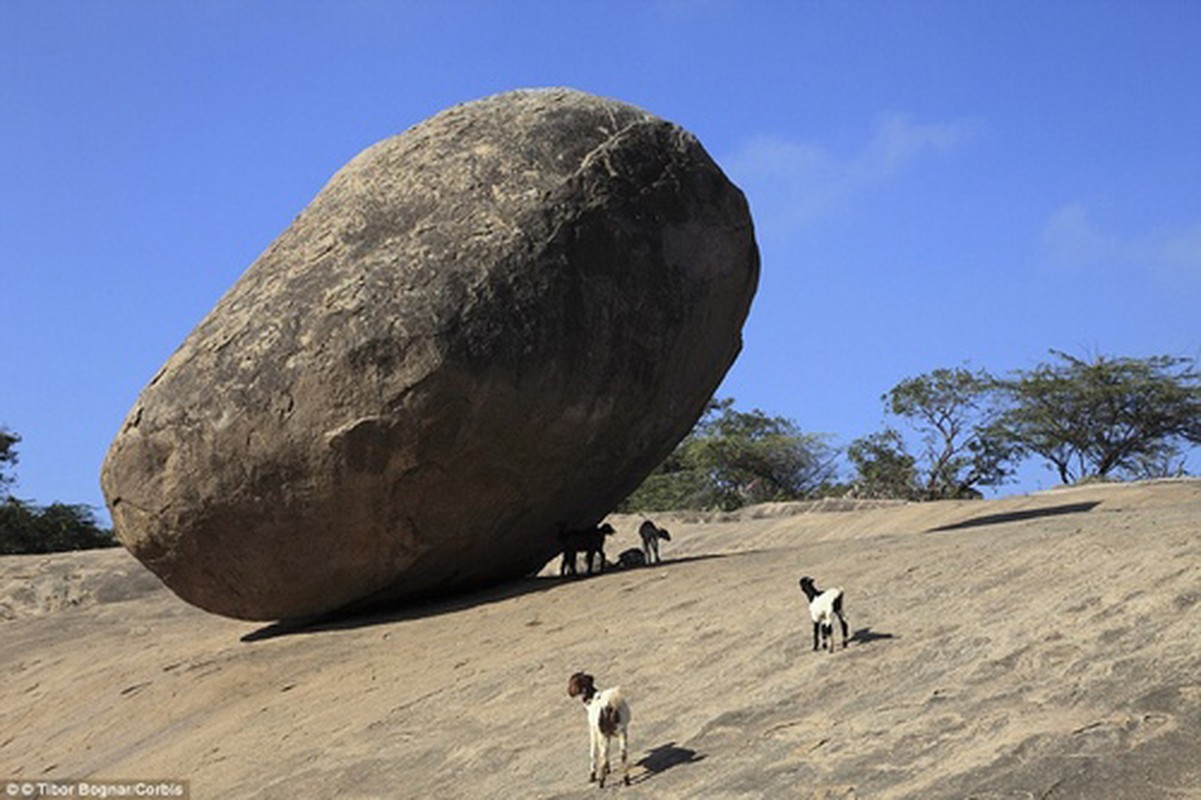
(614, 712)
(613, 697)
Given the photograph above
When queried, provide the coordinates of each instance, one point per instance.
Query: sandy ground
(1044, 646)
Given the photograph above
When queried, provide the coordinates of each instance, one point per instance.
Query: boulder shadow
(351, 618)
(664, 757)
(667, 562)
(367, 615)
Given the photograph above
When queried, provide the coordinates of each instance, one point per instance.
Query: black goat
(589, 540)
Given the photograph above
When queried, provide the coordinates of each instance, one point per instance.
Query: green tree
(675, 484)
(8, 459)
(955, 413)
(733, 458)
(26, 528)
(1106, 417)
(883, 467)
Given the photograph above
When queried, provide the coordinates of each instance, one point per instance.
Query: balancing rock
(496, 322)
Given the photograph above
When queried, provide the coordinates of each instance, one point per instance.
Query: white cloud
(1179, 250)
(791, 184)
(899, 140)
(1072, 239)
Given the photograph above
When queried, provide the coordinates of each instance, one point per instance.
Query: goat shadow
(664, 757)
(867, 636)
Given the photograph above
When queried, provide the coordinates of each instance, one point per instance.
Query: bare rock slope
(1038, 646)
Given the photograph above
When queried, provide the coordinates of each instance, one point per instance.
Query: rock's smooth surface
(499, 320)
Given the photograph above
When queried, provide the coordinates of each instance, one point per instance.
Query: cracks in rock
(602, 151)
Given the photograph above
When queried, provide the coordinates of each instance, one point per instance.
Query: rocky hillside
(1038, 646)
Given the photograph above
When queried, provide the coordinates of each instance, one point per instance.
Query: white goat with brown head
(608, 717)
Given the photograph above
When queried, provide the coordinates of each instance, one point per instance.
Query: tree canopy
(8, 458)
(953, 412)
(1106, 416)
(1102, 417)
(27, 528)
(883, 467)
(732, 458)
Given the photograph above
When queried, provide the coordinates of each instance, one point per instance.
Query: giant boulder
(495, 322)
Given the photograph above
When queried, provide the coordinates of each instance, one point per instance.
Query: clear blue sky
(933, 183)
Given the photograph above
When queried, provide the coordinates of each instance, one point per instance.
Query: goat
(590, 540)
(631, 558)
(608, 717)
(651, 534)
(824, 608)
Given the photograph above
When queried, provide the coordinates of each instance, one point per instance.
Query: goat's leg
(592, 748)
(842, 621)
(604, 765)
(816, 634)
(625, 760)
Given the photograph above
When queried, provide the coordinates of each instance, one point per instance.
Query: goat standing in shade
(824, 608)
(651, 534)
(590, 540)
(608, 717)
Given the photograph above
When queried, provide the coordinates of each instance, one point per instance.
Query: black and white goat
(824, 608)
(589, 540)
(651, 534)
(608, 717)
